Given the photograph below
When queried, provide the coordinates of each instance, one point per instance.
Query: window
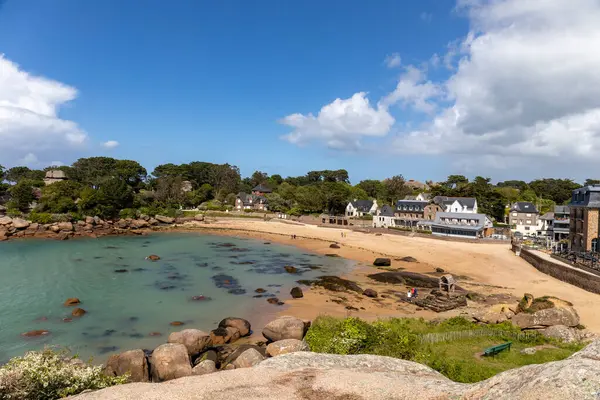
(529, 215)
(514, 214)
(527, 228)
(529, 221)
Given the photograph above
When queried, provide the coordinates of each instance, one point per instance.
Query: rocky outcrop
(204, 367)
(323, 376)
(170, 361)
(382, 262)
(334, 283)
(406, 278)
(242, 325)
(566, 316)
(439, 301)
(495, 314)
(132, 362)
(194, 340)
(164, 220)
(248, 358)
(370, 293)
(286, 346)
(19, 223)
(562, 333)
(285, 328)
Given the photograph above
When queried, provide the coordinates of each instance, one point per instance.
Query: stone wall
(572, 275)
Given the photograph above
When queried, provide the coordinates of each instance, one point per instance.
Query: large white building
(463, 225)
(457, 204)
(359, 208)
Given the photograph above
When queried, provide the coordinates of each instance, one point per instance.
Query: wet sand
(486, 268)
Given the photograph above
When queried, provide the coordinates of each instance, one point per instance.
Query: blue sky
(214, 81)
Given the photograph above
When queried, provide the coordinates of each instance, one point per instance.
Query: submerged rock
(334, 283)
(72, 301)
(260, 290)
(37, 332)
(290, 269)
(177, 323)
(153, 257)
(228, 282)
(78, 312)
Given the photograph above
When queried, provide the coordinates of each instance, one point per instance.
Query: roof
(262, 188)
(413, 203)
(245, 197)
(469, 202)
(587, 196)
(425, 196)
(362, 205)
(524, 207)
(479, 218)
(548, 216)
(562, 210)
(386, 211)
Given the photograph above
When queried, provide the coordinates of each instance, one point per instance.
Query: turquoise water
(124, 307)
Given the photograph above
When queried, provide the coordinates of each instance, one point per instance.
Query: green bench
(492, 351)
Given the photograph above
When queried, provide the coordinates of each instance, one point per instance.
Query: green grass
(459, 359)
(224, 214)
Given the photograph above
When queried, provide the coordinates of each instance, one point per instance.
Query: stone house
(584, 219)
(524, 218)
(410, 212)
(261, 190)
(245, 201)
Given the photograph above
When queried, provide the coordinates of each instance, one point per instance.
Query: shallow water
(124, 307)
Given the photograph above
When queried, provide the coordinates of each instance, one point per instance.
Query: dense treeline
(109, 188)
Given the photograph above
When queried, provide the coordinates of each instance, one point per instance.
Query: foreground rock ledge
(322, 376)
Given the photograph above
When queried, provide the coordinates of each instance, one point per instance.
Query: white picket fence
(430, 338)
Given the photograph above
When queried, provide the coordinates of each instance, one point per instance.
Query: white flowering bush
(49, 375)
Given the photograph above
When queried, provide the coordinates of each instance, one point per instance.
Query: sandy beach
(486, 268)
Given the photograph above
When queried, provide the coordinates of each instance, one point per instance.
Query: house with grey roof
(418, 197)
(457, 204)
(462, 225)
(245, 201)
(524, 218)
(384, 218)
(360, 208)
(261, 190)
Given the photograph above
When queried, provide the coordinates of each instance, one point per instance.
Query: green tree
(116, 195)
(287, 191)
(372, 187)
(16, 174)
(588, 182)
(337, 195)
(93, 170)
(456, 181)
(169, 191)
(131, 172)
(520, 185)
(394, 189)
(22, 195)
(310, 199)
(59, 197)
(557, 190)
(2, 172)
(258, 178)
(356, 192)
(277, 203)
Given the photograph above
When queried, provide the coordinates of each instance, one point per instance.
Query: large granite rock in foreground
(305, 375)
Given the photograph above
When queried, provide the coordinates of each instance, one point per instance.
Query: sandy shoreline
(487, 267)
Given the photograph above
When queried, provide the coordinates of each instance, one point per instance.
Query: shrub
(128, 213)
(40, 217)
(347, 336)
(248, 210)
(394, 339)
(49, 375)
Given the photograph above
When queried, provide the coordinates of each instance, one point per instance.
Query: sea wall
(12, 228)
(574, 276)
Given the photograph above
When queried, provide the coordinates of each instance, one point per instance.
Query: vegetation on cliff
(457, 356)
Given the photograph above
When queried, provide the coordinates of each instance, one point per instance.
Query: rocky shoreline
(91, 227)
(193, 352)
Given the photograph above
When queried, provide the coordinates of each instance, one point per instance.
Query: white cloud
(111, 144)
(525, 88)
(30, 129)
(340, 124)
(393, 60)
(414, 91)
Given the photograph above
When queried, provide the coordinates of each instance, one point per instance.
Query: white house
(463, 225)
(384, 218)
(457, 204)
(419, 197)
(359, 208)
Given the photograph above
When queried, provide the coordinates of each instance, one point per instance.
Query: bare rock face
(132, 362)
(194, 340)
(139, 224)
(327, 376)
(5, 220)
(170, 361)
(65, 226)
(239, 323)
(286, 346)
(439, 301)
(285, 328)
(20, 223)
(204, 367)
(199, 217)
(494, 315)
(248, 358)
(566, 316)
(164, 220)
(562, 333)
